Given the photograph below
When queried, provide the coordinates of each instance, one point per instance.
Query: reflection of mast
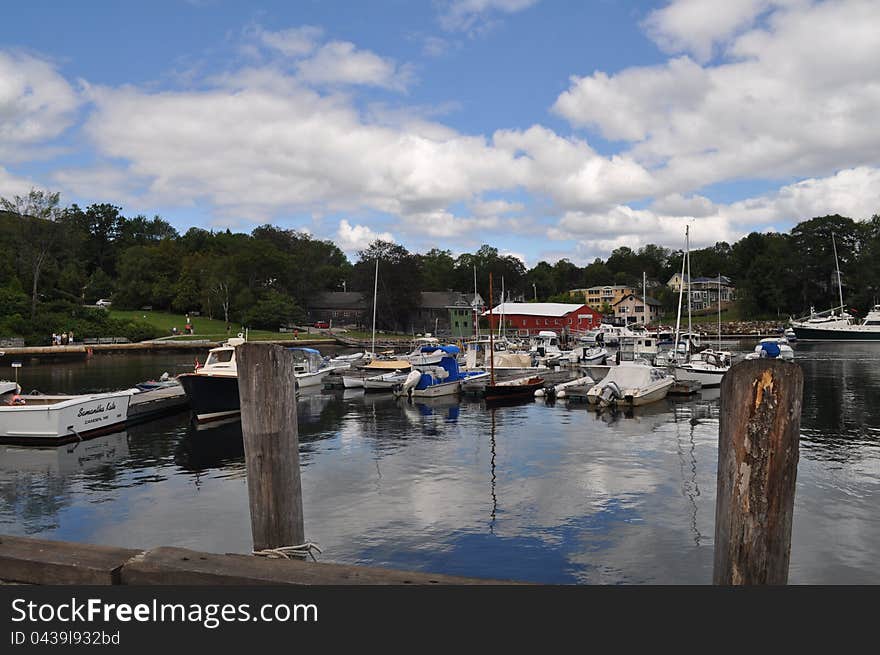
(494, 498)
(689, 488)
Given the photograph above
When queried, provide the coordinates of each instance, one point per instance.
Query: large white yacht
(838, 327)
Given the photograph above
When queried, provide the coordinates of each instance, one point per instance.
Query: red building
(532, 317)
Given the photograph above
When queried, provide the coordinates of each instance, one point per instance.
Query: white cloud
(797, 99)
(340, 62)
(293, 42)
(853, 192)
(36, 104)
(351, 238)
(698, 26)
(12, 185)
(476, 15)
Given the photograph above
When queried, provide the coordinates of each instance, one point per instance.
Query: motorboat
(706, 367)
(354, 377)
(607, 334)
(441, 380)
(310, 368)
(212, 389)
(545, 347)
(588, 355)
(38, 419)
(790, 335)
(773, 348)
(385, 381)
(631, 384)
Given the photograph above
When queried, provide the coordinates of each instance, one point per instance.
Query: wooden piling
(267, 394)
(757, 470)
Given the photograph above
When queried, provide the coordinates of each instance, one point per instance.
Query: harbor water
(538, 492)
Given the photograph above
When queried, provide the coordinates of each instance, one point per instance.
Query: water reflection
(529, 491)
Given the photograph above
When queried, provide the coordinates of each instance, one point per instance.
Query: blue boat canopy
(449, 350)
(307, 350)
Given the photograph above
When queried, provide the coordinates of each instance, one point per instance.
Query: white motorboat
(7, 387)
(706, 367)
(212, 389)
(385, 381)
(589, 355)
(631, 384)
(310, 368)
(609, 335)
(51, 419)
(773, 348)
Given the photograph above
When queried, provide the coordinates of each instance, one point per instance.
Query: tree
(400, 282)
(38, 212)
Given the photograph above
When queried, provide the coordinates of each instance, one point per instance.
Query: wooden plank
(757, 469)
(43, 562)
(180, 566)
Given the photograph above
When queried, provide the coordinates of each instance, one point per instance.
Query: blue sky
(549, 129)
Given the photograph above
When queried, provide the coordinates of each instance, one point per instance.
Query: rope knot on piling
(302, 551)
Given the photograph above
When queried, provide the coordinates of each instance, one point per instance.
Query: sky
(547, 128)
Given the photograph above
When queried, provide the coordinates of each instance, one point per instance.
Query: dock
(85, 349)
(148, 405)
(24, 560)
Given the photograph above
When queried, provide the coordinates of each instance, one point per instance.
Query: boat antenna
(837, 265)
(375, 297)
(491, 341)
(680, 296)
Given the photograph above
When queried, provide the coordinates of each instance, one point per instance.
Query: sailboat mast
(476, 317)
(491, 340)
(687, 241)
(502, 307)
(837, 266)
(375, 298)
(645, 299)
(680, 296)
(719, 311)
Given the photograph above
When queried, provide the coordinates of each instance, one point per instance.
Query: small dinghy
(558, 391)
(773, 348)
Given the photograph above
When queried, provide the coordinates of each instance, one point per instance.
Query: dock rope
(288, 552)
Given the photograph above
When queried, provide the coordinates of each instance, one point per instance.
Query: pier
(43, 562)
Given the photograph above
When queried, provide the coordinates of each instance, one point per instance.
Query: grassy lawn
(203, 328)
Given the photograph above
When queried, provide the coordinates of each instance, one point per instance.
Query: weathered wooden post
(757, 469)
(266, 389)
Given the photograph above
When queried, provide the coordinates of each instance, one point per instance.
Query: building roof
(339, 300)
(553, 309)
(724, 279)
(647, 301)
(443, 299)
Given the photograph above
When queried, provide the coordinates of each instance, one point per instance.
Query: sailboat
(511, 389)
(709, 366)
(830, 326)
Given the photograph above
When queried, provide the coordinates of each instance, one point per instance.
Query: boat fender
(539, 393)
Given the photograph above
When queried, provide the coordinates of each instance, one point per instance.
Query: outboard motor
(610, 392)
(410, 383)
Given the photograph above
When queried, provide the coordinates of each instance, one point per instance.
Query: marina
(542, 490)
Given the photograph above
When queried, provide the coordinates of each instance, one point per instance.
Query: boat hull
(848, 333)
(69, 419)
(706, 377)
(211, 397)
(500, 393)
(437, 390)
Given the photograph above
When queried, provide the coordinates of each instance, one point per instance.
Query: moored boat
(631, 383)
(53, 419)
(511, 390)
(212, 389)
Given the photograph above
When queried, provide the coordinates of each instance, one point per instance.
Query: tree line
(60, 259)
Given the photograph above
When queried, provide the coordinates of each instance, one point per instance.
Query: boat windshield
(220, 356)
